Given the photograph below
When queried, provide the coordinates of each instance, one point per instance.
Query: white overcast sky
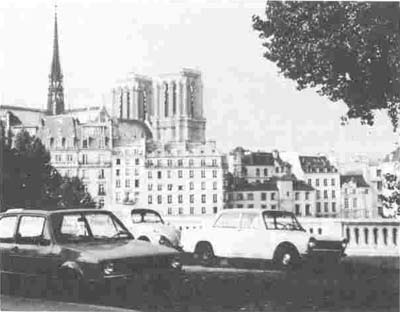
(247, 103)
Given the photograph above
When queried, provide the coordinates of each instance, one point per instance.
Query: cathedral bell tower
(55, 99)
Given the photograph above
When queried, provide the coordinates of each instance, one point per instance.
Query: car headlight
(108, 268)
(312, 243)
(165, 241)
(344, 243)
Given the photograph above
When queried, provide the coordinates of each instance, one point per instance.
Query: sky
(246, 101)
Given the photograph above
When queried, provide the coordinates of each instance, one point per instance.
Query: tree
(29, 181)
(391, 195)
(347, 50)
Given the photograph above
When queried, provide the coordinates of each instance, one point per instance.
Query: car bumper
(325, 255)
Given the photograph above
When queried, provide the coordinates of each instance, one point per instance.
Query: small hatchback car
(259, 234)
(79, 247)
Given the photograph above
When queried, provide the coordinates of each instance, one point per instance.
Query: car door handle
(14, 249)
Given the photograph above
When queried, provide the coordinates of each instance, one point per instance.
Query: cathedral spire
(55, 101)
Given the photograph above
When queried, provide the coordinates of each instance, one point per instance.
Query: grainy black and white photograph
(199, 155)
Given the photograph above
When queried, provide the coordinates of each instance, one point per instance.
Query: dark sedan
(87, 248)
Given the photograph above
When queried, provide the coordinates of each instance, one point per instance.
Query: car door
(224, 234)
(8, 224)
(32, 254)
(253, 238)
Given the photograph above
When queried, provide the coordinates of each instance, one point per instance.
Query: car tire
(286, 257)
(71, 285)
(204, 253)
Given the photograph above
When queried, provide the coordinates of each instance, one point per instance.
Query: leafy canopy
(349, 51)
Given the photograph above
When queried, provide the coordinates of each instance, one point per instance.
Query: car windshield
(146, 217)
(281, 221)
(87, 226)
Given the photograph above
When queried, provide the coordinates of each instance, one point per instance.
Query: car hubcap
(286, 259)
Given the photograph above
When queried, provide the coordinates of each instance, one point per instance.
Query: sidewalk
(11, 303)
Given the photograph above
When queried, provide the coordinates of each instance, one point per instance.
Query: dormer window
(51, 142)
(63, 140)
(85, 143)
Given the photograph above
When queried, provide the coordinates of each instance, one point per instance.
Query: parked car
(87, 248)
(259, 234)
(148, 225)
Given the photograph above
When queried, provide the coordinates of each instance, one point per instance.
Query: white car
(148, 225)
(258, 234)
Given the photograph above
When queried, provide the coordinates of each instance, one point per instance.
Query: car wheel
(144, 238)
(205, 254)
(71, 285)
(286, 257)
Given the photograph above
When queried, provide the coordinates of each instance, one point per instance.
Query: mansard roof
(315, 164)
(127, 131)
(63, 126)
(300, 185)
(248, 187)
(258, 159)
(358, 179)
(25, 116)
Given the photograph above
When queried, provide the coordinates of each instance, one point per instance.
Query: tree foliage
(391, 197)
(349, 51)
(29, 181)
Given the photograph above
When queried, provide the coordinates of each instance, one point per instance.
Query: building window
(203, 185)
(180, 210)
(159, 199)
(273, 196)
(366, 191)
(191, 173)
(239, 206)
(127, 172)
(296, 195)
(203, 173)
(250, 196)
(180, 162)
(214, 173)
(325, 182)
(214, 162)
(326, 207)
(250, 206)
(137, 161)
(159, 163)
(239, 196)
(101, 174)
(309, 181)
(265, 172)
(149, 175)
(317, 182)
(159, 187)
(118, 161)
(318, 207)
(118, 183)
(191, 186)
(150, 199)
(117, 172)
(136, 183)
(333, 182)
(191, 198)
(169, 187)
(325, 194)
(203, 162)
(297, 210)
(257, 172)
(85, 143)
(180, 199)
(354, 202)
(169, 211)
(263, 206)
(307, 195)
(277, 170)
(333, 207)
(159, 174)
(333, 194)
(378, 172)
(191, 210)
(180, 174)
(84, 159)
(215, 198)
(379, 185)
(273, 207)
(101, 189)
(346, 203)
(308, 212)
(215, 210)
(318, 194)
(150, 187)
(203, 210)
(127, 183)
(117, 197)
(203, 198)
(215, 185)
(169, 199)
(263, 196)
(101, 202)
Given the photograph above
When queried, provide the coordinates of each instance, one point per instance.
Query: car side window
(136, 218)
(269, 222)
(7, 228)
(228, 220)
(250, 221)
(30, 229)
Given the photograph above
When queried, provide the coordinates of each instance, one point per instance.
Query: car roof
(50, 212)
(143, 210)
